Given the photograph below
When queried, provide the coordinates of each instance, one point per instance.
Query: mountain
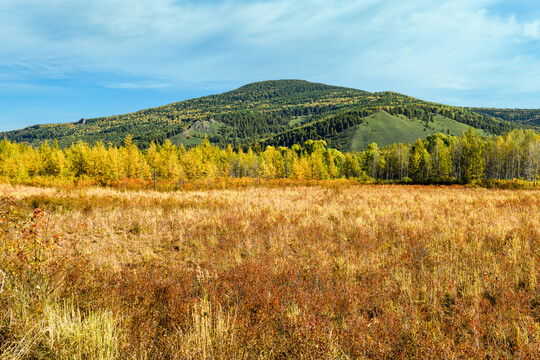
(281, 112)
(526, 117)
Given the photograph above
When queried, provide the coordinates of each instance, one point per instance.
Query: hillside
(383, 128)
(527, 117)
(281, 112)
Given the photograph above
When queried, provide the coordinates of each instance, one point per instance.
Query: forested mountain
(282, 112)
(529, 117)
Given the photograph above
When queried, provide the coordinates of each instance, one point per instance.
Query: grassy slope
(193, 137)
(298, 120)
(385, 129)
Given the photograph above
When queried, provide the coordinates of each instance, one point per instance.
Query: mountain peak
(288, 86)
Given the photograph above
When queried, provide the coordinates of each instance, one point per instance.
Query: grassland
(331, 271)
(382, 128)
(194, 137)
(298, 120)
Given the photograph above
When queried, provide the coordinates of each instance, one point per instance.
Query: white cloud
(396, 45)
(531, 30)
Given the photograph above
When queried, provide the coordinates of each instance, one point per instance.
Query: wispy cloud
(139, 85)
(424, 48)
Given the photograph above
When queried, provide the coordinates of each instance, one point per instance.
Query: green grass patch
(385, 129)
(193, 137)
(298, 120)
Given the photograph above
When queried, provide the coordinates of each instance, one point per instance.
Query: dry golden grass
(333, 271)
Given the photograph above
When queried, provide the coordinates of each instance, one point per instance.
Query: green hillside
(383, 128)
(196, 133)
(395, 118)
(281, 112)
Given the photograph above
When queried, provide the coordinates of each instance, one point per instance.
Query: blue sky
(61, 60)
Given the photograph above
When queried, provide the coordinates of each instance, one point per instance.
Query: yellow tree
(274, 161)
(169, 165)
(53, 160)
(130, 159)
(192, 163)
(420, 161)
(333, 160)
(267, 169)
(474, 156)
(153, 160)
(351, 166)
(104, 163)
(301, 169)
(317, 165)
(441, 163)
(79, 156)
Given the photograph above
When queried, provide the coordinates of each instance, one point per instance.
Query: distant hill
(528, 117)
(280, 112)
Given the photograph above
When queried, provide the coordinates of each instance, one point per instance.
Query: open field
(319, 272)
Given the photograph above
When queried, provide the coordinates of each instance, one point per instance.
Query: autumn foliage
(509, 160)
(322, 271)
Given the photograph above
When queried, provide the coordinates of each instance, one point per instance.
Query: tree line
(438, 158)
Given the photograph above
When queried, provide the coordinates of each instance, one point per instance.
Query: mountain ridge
(274, 112)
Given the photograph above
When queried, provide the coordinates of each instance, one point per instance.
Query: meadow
(386, 128)
(330, 270)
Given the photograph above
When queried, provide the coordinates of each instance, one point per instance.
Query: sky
(63, 60)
